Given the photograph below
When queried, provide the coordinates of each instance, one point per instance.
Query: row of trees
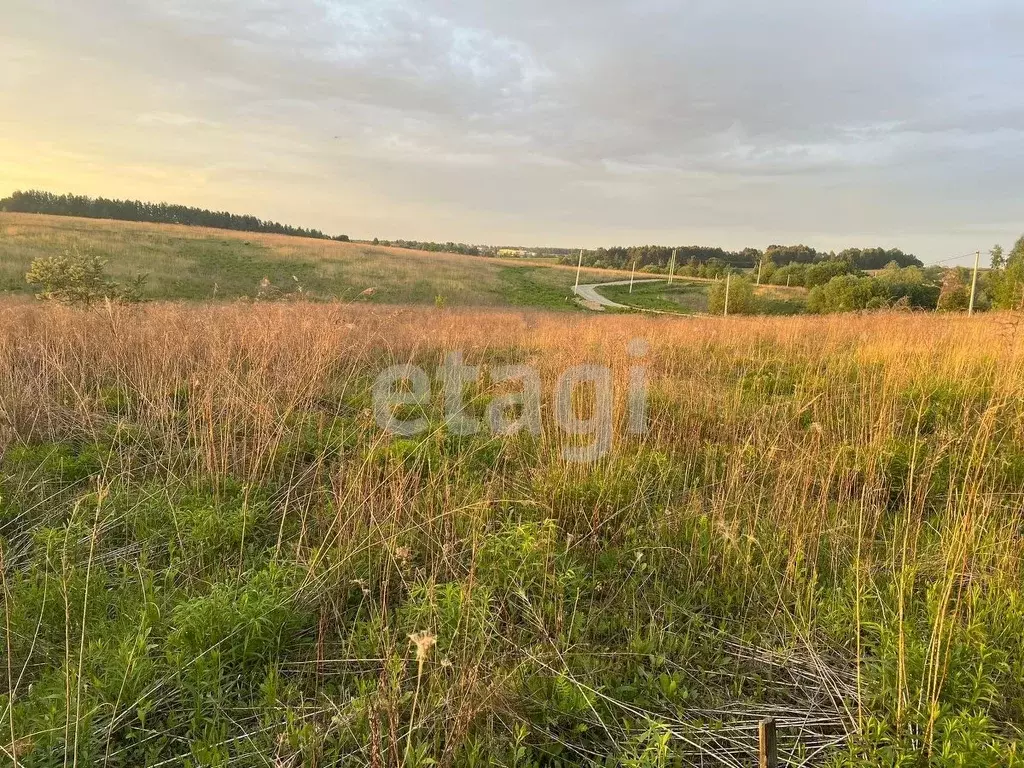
(859, 258)
(449, 247)
(34, 201)
(852, 280)
(690, 259)
(999, 287)
(894, 287)
(657, 258)
(841, 282)
(847, 289)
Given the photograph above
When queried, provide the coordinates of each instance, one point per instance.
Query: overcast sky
(562, 122)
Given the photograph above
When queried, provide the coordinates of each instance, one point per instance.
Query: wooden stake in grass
(768, 750)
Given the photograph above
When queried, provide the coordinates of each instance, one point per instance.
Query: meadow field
(212, 555)
(197, 263)
(687, 296)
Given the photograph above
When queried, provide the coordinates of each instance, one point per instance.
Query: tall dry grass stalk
(835, 500)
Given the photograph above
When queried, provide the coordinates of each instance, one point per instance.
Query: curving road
(589, 293)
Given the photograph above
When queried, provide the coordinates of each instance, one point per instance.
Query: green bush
(74, 278)
(1007, 279)
(893, 287)
(70, 278)
(741, 297)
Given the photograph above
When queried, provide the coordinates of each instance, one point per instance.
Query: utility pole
(760, 263)
(727, 276)
(631, 276)
(672, 266)
(974, 283)
(579, 266)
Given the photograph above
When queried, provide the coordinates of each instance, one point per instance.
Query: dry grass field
(213, 556)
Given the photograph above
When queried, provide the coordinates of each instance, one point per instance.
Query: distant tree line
(836, 285)
(657, 258)
(947, 289)
(417, 245)
(34, 201)
(707, 261)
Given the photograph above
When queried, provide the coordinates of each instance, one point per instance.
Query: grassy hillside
(690, 296)
(685, 296)
(196, 263)
(213, 556)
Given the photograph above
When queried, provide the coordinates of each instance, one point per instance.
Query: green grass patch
(183, 263)
(680, 296)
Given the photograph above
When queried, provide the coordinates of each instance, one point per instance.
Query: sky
(833, 123)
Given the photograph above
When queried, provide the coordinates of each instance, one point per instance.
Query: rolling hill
(196, 263)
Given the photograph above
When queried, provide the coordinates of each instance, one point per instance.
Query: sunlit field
(212, 555)
(196, 263)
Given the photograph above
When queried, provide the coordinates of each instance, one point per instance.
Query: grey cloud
(558, 120)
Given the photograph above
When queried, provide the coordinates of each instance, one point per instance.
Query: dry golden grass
(823, 523)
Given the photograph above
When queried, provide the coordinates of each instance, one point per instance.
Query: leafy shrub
(849, 293)
(741, 297)
(74, 278)
(70, 278)
(843, 294)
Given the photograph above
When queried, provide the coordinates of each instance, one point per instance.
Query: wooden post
(768, 748)
(759, 265)
(974, 283)
(631, 276)
(579, 266)
(727, 276)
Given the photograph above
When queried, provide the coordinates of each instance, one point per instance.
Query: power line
(951, 258)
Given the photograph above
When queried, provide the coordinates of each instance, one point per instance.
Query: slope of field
(690, 296)
(196, 263)
(212, 555)
(684, 296)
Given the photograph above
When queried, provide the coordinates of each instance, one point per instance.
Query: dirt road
(589, 293)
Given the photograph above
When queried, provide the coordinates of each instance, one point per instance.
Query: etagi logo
(508, 414)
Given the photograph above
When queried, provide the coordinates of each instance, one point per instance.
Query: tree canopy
(422, 245)
(35, 201)
(1006, 280)
(893, 287)
(658, 259)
